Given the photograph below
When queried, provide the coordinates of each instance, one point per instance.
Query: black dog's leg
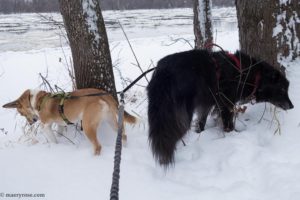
(202, 117)
(227, 118)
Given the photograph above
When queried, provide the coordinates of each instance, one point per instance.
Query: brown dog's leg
(113, 121)
(90, 124)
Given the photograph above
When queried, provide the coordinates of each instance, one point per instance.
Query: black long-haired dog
(197, 81)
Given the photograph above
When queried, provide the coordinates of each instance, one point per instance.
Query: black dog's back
(180, 82)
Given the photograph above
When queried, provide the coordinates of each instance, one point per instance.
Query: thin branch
(50, 19)
(46, 83)
(174, 41)
(275, 117)
(259, 121)
(65, 137)
(135, 57)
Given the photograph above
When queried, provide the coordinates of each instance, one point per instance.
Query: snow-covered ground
(253, 164)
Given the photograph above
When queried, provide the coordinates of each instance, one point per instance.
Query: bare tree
(89, 44)
(203, 23)
(269, 29)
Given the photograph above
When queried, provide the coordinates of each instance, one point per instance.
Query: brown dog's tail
(129, 118)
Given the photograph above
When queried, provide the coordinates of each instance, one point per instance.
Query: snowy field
(256, 163)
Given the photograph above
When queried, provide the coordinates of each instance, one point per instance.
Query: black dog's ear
(275, 76)
(282, 70)
(13, 104)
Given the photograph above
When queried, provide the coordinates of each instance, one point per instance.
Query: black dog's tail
(168, 118)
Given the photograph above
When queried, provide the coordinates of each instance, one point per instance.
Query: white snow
(253, 164)
(287, 33)
(284, 2)
(89, 8)
(204, 15)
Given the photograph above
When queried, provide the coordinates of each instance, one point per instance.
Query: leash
(120, 92)
(63, 96)
(114, 191)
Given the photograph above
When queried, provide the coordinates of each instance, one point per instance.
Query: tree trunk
(203, 24)
(269, 29)
(89, 44)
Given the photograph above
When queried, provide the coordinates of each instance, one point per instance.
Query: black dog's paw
(198, 130)
(227, 129)
(228, 126)
(198, 127)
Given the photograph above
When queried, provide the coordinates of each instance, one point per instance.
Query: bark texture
(203, 24)
(89, 44)
(269, 29)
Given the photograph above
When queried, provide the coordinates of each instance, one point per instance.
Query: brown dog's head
(24, 107)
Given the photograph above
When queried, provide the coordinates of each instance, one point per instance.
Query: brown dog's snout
(35, 118)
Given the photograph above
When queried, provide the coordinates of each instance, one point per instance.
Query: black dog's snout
(287, 105)
(291, 105)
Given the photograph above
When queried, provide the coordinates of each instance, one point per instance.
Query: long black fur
(196, 81)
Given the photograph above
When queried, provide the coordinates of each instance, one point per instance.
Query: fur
(196, 81)
(37, 105)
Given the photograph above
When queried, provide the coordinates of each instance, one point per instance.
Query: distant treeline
(18, 6)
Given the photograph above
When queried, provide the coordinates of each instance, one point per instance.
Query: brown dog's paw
(97, 151)
(124, 138)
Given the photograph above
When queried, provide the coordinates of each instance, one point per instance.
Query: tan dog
(39, 105)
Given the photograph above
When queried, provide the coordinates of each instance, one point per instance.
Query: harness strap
(257, 76)
(256, 83)
(218, 73)
(61, 110)
(238, 66)
(235, 59)
(257, 80)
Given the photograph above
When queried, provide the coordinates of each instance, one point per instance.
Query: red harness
(237, 65)
(235, 59)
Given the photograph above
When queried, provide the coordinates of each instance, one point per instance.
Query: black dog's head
(273, 87)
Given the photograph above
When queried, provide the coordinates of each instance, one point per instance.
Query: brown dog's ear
(13, 104)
